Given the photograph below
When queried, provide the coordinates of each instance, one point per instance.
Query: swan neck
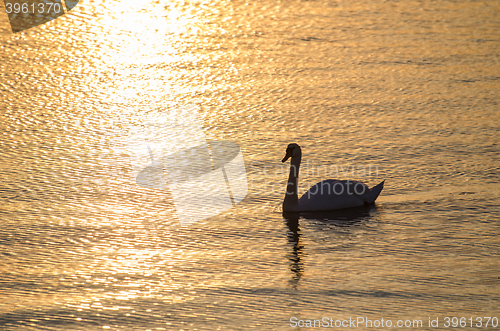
(291, 198)
(294, 169)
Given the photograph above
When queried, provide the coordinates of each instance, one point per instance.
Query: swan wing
(333, 194)
(373, 193)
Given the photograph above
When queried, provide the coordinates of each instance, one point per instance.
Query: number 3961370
(27, 8)
(477, 322)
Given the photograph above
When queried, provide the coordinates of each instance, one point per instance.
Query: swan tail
(373, 194)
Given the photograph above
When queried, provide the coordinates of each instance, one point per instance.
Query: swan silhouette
(326, 195)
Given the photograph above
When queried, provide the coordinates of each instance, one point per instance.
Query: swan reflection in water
(325, 219)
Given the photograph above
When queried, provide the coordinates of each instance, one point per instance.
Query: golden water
(408, 90)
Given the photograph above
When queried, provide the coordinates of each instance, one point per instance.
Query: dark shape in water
(70, 4)
(27, 14)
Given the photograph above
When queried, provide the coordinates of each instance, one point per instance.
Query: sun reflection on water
(349, 82)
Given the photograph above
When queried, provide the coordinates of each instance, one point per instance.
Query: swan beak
(287, 156)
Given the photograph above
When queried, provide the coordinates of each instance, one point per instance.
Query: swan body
(326, 195)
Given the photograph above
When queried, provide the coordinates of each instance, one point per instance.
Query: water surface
(407, 91)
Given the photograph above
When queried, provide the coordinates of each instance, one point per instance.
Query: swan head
(293, 150)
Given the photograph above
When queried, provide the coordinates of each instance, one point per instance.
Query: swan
(326, 195)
